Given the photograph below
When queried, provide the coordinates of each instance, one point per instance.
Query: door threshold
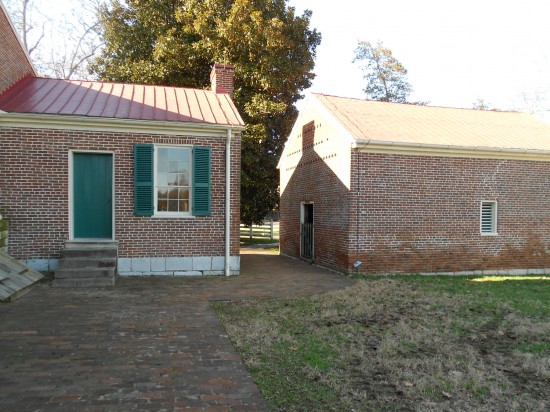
(91, 239)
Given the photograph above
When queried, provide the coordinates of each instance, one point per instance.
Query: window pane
(172, 179)
(163, 153)
(184, 194)
(183, 179)
(173, 154)
(184, 205)
(162, 179)
(162, 192)
(183, 167)
(174, 167)
(162, 205)
(173, 194)
(162, 166)
(172, 205)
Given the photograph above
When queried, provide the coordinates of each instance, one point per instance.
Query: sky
(456, 52)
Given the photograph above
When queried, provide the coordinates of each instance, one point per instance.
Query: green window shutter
(202, 172)
(143, 179)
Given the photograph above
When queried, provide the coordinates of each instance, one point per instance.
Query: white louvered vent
(488, 218)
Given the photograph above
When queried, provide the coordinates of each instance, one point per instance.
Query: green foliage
(175, 42)
(386, 77)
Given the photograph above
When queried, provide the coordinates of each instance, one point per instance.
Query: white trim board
(65, 122)
(414, 149)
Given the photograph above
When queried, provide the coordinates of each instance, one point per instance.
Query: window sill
(173, 216)
(489, 234)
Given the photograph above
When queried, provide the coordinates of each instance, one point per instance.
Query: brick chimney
(221, 78)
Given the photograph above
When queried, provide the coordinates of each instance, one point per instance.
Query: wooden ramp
(16, 279)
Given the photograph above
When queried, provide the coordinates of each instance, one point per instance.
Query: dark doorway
(306, 231)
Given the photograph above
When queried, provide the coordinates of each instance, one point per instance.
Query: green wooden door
(93, 195)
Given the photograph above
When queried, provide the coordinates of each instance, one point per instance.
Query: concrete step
(84, 272)
(85, 262)
(95, 252)
(78, 244)
(83, 282)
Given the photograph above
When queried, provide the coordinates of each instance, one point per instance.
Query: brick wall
(421, 213)
(313, 181)
(13, 62)
(417, 213)
(34, 195)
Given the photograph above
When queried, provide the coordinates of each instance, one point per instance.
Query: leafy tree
(386, 77)
(175, 42)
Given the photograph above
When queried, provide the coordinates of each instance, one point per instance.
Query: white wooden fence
(269, 230)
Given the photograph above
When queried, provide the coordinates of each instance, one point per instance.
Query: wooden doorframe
(71, 190)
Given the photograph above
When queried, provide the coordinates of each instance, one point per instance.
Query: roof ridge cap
(407, 104)
(130, 84)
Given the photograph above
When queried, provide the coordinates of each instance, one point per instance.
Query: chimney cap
(223, 66)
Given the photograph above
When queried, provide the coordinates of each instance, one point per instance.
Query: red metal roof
(120, 101)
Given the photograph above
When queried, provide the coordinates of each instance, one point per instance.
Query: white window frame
(494, 217)
(156, 213)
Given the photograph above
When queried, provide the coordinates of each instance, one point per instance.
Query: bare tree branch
(60, 45)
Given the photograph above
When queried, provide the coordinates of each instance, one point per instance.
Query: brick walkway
(148, 344)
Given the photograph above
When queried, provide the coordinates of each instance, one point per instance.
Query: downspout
(357, 193)
(228, 204)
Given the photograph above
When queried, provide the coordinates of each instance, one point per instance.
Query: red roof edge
(15, 85)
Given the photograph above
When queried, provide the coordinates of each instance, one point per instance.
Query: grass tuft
(246, 241)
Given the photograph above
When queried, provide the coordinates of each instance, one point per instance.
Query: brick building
(412, 189)
(151, 171)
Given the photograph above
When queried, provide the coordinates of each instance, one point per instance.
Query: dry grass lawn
(400, 343)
